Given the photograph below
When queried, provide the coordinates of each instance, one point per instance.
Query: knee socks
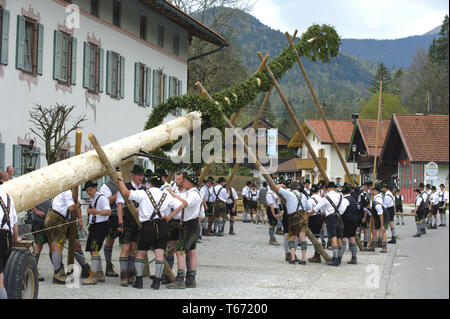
(353, 249)
(131, 261)
(139, 263)
(108, 254)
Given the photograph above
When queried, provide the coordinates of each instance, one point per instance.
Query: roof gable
(342, 131)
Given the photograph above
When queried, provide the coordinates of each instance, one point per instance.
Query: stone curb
(387, 271)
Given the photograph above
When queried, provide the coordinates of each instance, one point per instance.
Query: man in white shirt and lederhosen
(99, 211)
(220, 205)
(380, 220)
(273, 215)
(389, 205)
(57, 227)
(434, 206)
(232, 208)
(253, 204)
(207, 192)
(443, 200)
(154, 234)
(315, 221)
(330, 205)
(246, 201)
(187, 243)
(8, 234)
(419, 206)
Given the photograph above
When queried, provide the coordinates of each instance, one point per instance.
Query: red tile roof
(288, 166)
(425, 137)
(368, 129)
(342, 130)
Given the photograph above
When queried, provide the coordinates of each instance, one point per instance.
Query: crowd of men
(172, 218)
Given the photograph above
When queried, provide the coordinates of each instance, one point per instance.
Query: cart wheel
(21, 276)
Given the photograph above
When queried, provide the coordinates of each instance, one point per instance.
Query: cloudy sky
(375, 19)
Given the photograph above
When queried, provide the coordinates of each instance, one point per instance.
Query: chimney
(355, 116)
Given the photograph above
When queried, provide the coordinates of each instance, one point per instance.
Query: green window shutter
(71, 154)
(38, 159)
(156, 85)
(40, 51)
(20, 43)
(2, 157)
(4, 38)
(180, 87)
(108, 72)
(122, 78)
(87, 59)
(164, 86)
(170, 86)
(73, 68)
(101, 69)
(17, 160)
(57, 48)
(137, 82)
(148, 83)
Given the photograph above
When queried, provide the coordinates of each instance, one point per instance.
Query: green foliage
(234, 98)
(383, 74)
(441, 50)
(286, 153)
(244, 171)
(390, 104)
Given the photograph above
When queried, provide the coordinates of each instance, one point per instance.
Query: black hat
(88, 184)
(264, 184)
(417, 190)
(221, 180)
(156, 180)
(190, 176)
(314, 188)
(293, 185)
(442, 185)
(138, 170)
(347, 189)
(331, 185)
(161, 172)
(307, 181)
(249, 183)
(421, 185)
(433, 188)
(148, 172)
(428, 186)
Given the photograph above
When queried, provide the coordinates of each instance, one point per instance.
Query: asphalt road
(421, 265)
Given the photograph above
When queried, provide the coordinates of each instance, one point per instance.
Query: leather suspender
(156, 207)
(336, 208)
(299, 201)
(6, 209)
(94, 217)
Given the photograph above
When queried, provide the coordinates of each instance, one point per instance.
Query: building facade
(114, 60)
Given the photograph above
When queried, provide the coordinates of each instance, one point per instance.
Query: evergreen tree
(442, 45)
(383, 74)
(396, 82)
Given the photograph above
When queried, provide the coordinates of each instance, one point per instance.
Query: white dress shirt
(325, 206)
(313, 201)
(62, 202)
(246, 191)
(388, 200)
(292, 202)
(12, 212)
(183, 195)
(102, 204)
(272, 198)
(145, 206)
(221, 192)
(378, 200)
(120, 199)
(194, 204)
(233, 195)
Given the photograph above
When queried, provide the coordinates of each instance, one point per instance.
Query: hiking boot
(139, 282)
(91, 280)
(352, 261)
(379, 244)
(220, 233)
(131, 277)
(333, 262)
(177, 284)
(100, 276)
(371, 248)
(398, 223)
(124, 278)
(287, 257)
(109, 272)
(393, 241)
(164, 280)
(156, 283)
(190, 281)
(231, 231)
(315, 259)
(292, 262)
(383, 249)
(273, 241)
(279, 231)
(208, 233)
(423, 231)
(302, 262)
(59, 277)
(417, 235)
(85, 271)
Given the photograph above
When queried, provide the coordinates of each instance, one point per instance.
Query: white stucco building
(320, 140)
(120, 60)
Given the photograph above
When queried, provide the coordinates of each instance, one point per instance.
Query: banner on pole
(272, 142)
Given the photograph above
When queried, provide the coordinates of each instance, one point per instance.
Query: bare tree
(51, 126)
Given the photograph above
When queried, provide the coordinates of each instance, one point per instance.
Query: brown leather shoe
(91, 280)
(131, 277)
(124, 278)
(315, 258)
(100, 276)
(208, 233)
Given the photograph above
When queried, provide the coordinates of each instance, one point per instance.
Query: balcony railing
(308, 163)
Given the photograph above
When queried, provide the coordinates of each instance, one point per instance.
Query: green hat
(190, 176)
(138, 170)
(88, 184)
(221, 180)
(148, 172)
(161, 172)
(331, 185)
(346, 189)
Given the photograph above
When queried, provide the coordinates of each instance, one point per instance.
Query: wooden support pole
(113, 175)
(263, 171)
(73, 226)
(319, 107)
(294, 118)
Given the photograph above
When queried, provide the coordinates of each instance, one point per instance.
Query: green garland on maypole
(324, 47)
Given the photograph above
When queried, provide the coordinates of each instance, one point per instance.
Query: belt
(67, 217)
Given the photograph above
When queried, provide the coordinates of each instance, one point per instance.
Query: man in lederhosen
(163, 174)
(273, 215)
(315, 221)
(174, 228)
(208, 194)
(246, 201)
(296, 206)
(57, 228)
(434, 206)
(418, 211)
(427, 217)
(232, 208)
(443, 200)
(110, 190)
(398, 197)
(350, 218)
(424, 212)
(99, 211)
(364, 209)
(388, 204)
(220, 205)
(330, 205)
(130, 230)
(380, 220)
(307, 188)
(38, 229)
(154, 233)
(188, 235)
(262, 205)
(8, 234)
(253, 203)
